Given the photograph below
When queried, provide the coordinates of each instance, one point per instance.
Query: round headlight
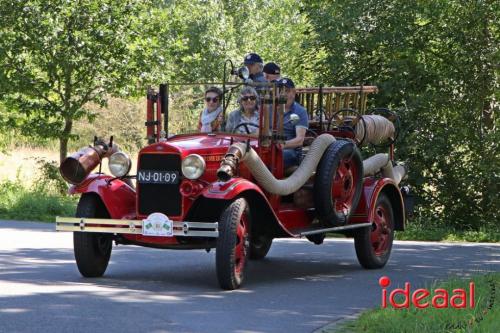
(193, 166)
(119, 164)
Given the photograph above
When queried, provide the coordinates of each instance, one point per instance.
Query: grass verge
(443, 233)
(482, 318)
(19, 201)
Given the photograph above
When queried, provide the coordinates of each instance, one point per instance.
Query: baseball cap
(271, 68)
(252, 58)
(286, 82)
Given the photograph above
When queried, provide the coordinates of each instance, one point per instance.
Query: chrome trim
(134, 227)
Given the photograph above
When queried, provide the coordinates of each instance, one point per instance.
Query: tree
(58, 55)
(437, 61)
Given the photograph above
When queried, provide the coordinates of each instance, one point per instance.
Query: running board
(345, 227)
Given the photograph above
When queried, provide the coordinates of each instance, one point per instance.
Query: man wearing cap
(255, 65)
(272, 72)
(293, 131)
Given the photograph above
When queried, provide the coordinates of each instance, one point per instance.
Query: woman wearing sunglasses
(247, 113)
(211, 116)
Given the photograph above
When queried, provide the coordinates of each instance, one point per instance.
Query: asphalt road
(299, 287)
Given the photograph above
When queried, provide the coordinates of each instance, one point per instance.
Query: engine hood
(201, 143)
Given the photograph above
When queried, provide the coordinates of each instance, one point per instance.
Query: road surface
(299, 287)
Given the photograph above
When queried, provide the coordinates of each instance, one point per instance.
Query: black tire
(374, 244)
(92, 250)
(233, 245)
(259, 247)
(341, 166)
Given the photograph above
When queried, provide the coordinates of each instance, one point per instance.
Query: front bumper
(134, 227)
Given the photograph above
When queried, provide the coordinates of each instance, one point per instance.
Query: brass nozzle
(229, 164)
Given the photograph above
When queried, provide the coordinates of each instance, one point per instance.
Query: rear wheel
(233, 245)
(92, 250)
(373, 244)
(338, 183)
(259, 246)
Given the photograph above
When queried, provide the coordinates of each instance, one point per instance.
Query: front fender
(230, 189)
(218, 194)
(118, 197)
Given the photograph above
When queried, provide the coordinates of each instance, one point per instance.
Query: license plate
(158, 224)
(157, 177)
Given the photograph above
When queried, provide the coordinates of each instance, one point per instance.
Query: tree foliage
(434, 61)
(438, 62)
(57, 55)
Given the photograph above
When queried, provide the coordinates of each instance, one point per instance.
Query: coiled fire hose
(382, 163)
(374, 129)
(239, 152)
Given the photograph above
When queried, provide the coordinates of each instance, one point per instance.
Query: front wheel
(92, 250)
(233, 245)
(373, 244)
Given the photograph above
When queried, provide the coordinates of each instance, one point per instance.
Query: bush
(20, 202)
(50, 179)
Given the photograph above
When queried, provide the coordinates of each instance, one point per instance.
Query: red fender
(230, 189)
(372, 187)
(235, 187)
(117, 196)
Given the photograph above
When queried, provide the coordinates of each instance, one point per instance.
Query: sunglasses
(248, 98)
(212, 99)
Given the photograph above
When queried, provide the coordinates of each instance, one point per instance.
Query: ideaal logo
(421, 298)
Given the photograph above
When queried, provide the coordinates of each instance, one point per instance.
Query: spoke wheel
(373, 245)
(92, 250)
(233, 245)
(338, 183)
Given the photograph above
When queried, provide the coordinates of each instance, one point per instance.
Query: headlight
(119, 164)
(193, 166)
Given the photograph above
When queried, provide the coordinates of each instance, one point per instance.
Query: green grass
(443, 233)
(483, 318)
(19, 201)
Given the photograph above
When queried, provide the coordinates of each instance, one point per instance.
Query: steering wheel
(344, 118)
(246, 127)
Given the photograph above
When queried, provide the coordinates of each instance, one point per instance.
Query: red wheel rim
(242, 243)
(344, 186)
(381, 231)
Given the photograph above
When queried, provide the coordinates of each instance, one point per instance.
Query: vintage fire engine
(231, 192)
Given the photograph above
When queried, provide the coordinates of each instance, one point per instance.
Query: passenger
(248, 112)
(293, 131)
(272, 72)
(255, 65)
(212, 116)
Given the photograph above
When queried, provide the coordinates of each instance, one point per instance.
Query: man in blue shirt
(294, 131)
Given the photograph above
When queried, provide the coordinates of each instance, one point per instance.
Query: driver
(294, 131)
(248, 112)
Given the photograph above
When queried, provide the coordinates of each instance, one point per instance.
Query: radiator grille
(162, 198)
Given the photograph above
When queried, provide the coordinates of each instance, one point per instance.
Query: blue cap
(286, 82)
(252, 58)
(271, 68)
